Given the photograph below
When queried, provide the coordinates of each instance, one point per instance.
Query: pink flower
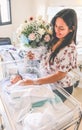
(31, 18)
(47, 38)
(32, 37)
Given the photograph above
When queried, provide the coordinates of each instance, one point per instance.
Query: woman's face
(61, 28)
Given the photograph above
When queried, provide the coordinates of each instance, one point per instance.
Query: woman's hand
(30, 55)
(25, 82)
(15, 78)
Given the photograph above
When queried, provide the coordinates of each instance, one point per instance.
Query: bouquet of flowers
(34, 32)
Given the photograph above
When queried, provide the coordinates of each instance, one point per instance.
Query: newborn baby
(15, 78)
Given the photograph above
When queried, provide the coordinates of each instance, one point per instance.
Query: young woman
(61, 56)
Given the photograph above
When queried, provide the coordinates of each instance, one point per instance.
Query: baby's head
(15, 78)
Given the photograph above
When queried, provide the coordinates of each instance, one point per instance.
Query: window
(5, 12)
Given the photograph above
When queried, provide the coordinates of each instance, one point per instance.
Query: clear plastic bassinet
(38, 108)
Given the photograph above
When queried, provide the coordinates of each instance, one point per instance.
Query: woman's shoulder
(71, 48)
(72, 44)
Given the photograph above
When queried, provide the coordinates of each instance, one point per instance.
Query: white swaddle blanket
(37, 107)
(16, 91)
(47, 117)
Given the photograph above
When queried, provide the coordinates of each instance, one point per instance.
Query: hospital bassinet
(38, 108)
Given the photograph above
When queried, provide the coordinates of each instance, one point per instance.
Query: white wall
(22, 9)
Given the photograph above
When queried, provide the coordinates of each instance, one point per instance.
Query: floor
(77, 93)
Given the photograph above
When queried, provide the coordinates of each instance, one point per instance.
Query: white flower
(19, 30)
(41, 31)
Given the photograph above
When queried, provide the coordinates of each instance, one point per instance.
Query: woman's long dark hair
(70, 18)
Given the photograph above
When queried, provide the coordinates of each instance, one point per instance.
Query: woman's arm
(45, 80)
(51, 78)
